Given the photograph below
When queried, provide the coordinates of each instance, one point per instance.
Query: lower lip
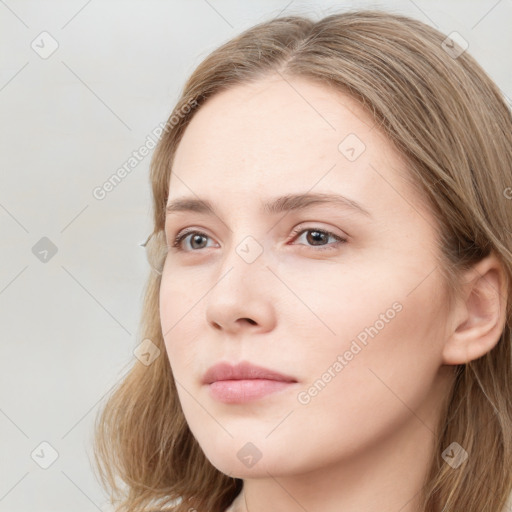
(239, 391)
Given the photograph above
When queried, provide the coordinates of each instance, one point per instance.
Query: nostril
(250, 320)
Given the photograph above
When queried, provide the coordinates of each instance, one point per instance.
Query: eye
(318, 236)
(198, 238)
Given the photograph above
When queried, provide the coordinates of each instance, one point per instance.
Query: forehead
(278, 136)
(272, 120)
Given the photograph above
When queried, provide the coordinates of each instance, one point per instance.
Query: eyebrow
(278, 205)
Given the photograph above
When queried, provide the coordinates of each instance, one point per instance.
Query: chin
(248, 460)
(239, 470)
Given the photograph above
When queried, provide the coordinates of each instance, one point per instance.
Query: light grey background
(68, 122)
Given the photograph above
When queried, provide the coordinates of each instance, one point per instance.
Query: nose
(241, 297)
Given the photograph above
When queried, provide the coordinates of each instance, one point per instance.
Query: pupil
(196, 238)
(314, 235)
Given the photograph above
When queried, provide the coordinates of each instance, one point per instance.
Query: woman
(331, 303)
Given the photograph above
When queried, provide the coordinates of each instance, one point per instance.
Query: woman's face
(358, 325)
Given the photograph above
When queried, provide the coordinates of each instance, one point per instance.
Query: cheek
(177, 317)
(180, 297)
(379, 326)
(384, 362)
(387, 383)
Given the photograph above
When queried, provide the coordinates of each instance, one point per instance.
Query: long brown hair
(450, 122)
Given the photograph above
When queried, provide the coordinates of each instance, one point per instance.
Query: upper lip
(243, 370)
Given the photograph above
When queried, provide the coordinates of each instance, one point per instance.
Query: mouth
(244, 382)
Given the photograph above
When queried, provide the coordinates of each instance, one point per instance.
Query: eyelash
(297, 231)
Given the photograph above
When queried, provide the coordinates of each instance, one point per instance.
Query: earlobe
(479, 317)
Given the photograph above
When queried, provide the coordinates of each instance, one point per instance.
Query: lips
(243, 371)
(244, 382)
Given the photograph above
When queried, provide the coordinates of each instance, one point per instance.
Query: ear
(478, 319)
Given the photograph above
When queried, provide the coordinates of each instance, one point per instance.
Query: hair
(452, 126)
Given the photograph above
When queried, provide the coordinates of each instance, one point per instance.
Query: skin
(363, 442)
